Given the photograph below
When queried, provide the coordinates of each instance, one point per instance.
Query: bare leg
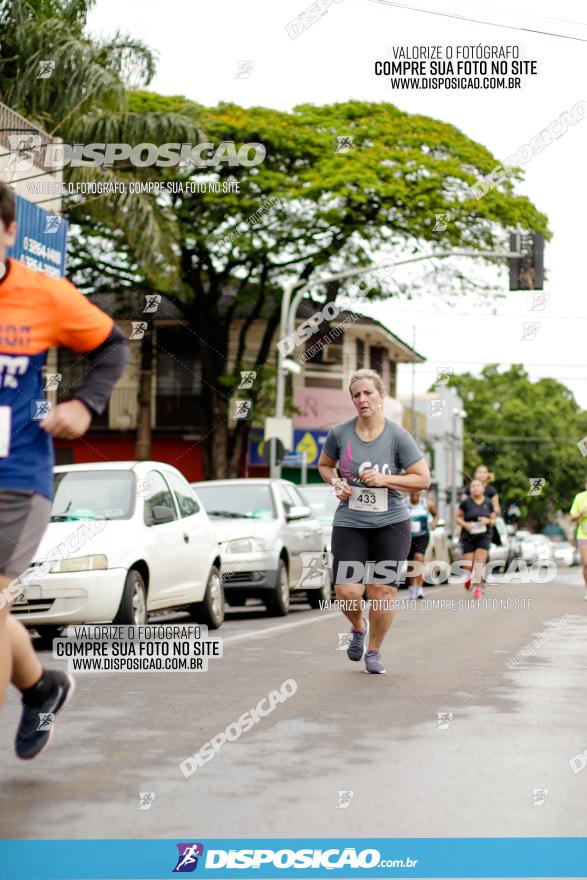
(350, 596)
(479, 560)
(381, 613)
(583, 553)
(5, 647)
(419, 558)
(467, 561)
(26, 669)
(18, 661)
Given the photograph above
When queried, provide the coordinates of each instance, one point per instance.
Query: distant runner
(579, 516)
(36, 314)
(421, 510)
(371, 523)
(476, 518)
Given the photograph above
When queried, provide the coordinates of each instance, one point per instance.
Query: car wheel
(277, 601)
(132, 610)
(46, 635)
(317, 598)
(210, 612)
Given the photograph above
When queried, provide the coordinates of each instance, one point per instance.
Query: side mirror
(162, 514)
(298, 512)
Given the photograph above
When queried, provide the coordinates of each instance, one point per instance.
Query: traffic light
(527, 271)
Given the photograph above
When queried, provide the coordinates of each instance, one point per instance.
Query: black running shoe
(36, 724)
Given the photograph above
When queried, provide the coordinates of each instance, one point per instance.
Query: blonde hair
(490, 475)
(367, 374)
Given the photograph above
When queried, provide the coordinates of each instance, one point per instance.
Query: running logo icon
(536, 485)
(146, 799)
(187, 860)
(52, 223)
(46, 720)
(344, 800)
(152, 301)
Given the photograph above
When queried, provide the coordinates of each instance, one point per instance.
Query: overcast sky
(199, 46)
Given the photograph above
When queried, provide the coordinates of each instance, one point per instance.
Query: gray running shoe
(356, 649)
(373, 663)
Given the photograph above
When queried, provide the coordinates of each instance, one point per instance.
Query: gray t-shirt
(389, 453)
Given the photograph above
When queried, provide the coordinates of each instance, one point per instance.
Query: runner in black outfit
(476, 518)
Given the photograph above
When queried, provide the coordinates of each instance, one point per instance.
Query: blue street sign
(310, 442)
(41, 239)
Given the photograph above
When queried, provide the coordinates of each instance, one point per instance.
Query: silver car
(271, 544)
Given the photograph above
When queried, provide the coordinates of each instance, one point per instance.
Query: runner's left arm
(85, 329)
(107, 363)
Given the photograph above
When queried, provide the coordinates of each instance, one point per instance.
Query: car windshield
(322, 501)
(92, 495)
(237, 500)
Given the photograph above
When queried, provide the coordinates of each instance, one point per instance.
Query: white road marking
(269, 630)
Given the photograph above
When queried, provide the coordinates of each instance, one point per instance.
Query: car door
(164, 543)
(198, 539)
(302, 535)
(312, 536)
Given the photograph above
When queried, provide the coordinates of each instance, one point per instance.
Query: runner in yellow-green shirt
(579, 516)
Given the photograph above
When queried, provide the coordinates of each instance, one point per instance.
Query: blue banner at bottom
(293, 857)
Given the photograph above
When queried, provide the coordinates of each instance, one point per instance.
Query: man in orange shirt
(36, 314)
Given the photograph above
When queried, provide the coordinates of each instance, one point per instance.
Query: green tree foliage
(85, 100)
(521, 430)
(329, 211)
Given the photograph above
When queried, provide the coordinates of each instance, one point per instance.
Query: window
(93, 494)
(185, 498)
(179, 378)
(392, 378)
(376, 355)
(159, 496)
(360, 354)
(297, 498)
(324, 349)
(284, 497)
(246, 500)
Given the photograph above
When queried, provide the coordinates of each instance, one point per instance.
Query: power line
(524, 14)
(509, 27)
(525, 364)
(514, 439)
(488, 315)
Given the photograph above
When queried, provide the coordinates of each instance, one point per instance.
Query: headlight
(81, 563)
(244, 545)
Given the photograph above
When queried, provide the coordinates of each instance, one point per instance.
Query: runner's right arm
(577, 513)
(460, 519)
(328, 472)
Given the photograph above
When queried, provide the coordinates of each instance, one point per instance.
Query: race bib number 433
(371, 500)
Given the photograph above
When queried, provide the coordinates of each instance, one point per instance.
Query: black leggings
(370, 556)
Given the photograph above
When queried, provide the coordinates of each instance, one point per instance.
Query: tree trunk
(143, 444)
(236, 445)
(217, 439)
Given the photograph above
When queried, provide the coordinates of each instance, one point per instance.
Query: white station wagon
(125, 539)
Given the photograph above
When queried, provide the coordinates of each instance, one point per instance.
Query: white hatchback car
(125, 538)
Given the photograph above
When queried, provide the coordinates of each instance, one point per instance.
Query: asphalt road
(513, 731)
